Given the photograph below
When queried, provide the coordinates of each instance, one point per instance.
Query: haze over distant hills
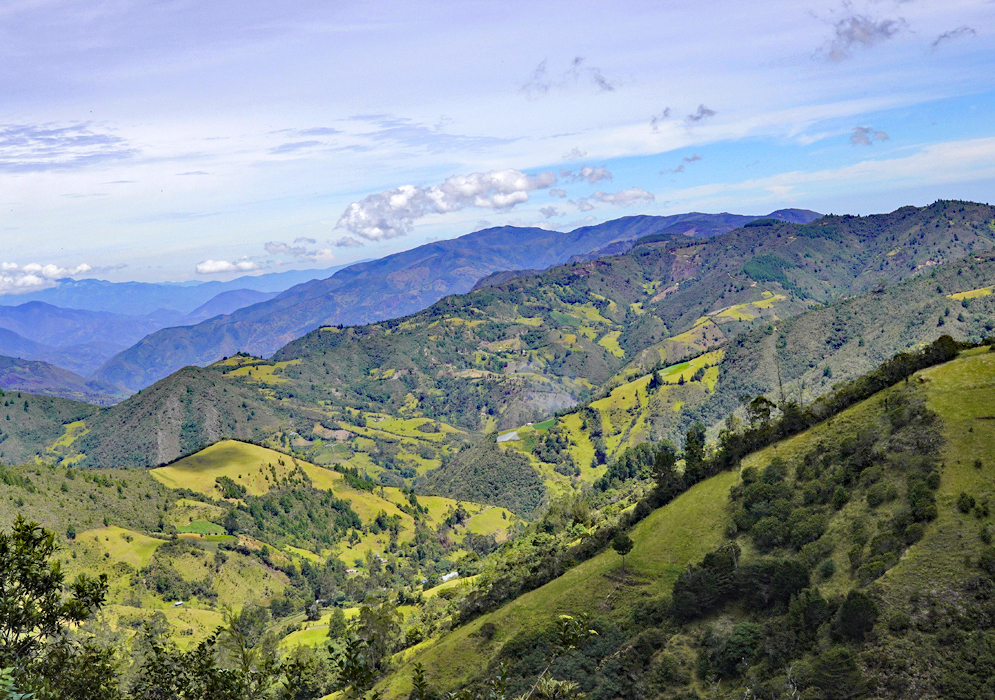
(143, 298)
(390, 287)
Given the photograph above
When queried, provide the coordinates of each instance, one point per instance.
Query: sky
(172, 140)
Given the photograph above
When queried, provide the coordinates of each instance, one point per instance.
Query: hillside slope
(393, 286)
(878, 585)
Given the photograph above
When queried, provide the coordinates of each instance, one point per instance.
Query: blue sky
(177, 140)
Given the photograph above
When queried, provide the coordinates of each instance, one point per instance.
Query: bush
(827, 569)
(856, 617)
(965, 503)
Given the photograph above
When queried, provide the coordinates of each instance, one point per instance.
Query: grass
(963, 393)
(972, 293)
(610, 343)
(251, 466)
(665, 542)
(202, 527)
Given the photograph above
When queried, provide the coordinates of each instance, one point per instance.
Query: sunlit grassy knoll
(491, 521)
(972, 293)
(583, 450)
(190, 626)
(681, 532)
(452, 583)
(610, 343)
(314, 633)
(264, 372)
(305, 554)
(202, 527)
(132, 548)
(249, 465)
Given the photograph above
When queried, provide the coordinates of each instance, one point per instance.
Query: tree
(622, 544)
(668, 481)
(336, 624)
(694, 454)
(36, 607)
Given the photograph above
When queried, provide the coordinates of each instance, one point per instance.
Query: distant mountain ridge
(142, 298)
(390, 287)
(506, 355)
(44, 379)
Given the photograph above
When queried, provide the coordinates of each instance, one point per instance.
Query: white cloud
(624, 198)
(556, 192)
(583, 204)
(16, 278)
(347, 242)
(392, 213)
(587, 172)
(210, 267)
(300, 249)
(550, 212)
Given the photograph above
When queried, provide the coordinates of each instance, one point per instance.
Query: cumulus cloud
(583, 204)
(859, 31)
(624, 198)
(210, 267)
(347, 242)
(866, 136)
(557, 192)
(587, 172)
(701, 113)
(392, 213)
(656, 119)
(550, 212)
(951, 35)
(575, 154)
(16, 278)
(540, 82)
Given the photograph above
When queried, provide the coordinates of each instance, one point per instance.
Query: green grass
(202, 527)
(963, 393)
(665, 542)
(243, 463)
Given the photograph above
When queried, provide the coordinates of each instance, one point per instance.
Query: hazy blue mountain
(81, 358)
(42, 378)
(226, 303)
(393, 286)
(142, 298)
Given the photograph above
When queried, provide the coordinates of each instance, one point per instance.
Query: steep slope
(878, 584)
(390, 287)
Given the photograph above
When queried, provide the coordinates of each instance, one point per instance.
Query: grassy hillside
(916, 553)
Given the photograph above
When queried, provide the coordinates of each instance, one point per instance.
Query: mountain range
(509, 354)
(392, 286)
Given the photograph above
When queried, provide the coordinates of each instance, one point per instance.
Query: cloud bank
(392, 213)
(16, 279)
